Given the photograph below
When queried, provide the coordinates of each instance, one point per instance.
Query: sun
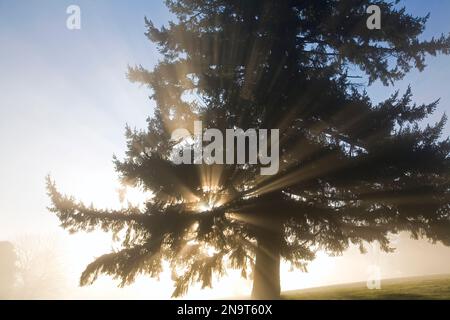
(205, 206)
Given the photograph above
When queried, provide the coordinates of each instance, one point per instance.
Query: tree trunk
(266, 274)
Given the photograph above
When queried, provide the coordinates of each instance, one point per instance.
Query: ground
(435, 287)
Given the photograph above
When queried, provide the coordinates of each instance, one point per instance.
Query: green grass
(430, 288)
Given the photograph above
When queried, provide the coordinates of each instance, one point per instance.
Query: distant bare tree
(40, 272)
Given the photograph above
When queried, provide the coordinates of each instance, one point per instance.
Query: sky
(64, 103)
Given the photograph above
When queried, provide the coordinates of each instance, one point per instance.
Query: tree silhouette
(351, 171)
(39, 268)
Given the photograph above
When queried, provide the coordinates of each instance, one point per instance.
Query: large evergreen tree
(351, 171)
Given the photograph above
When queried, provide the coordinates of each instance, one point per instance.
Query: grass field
(430, 287)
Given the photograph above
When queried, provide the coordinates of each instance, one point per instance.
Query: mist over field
(65, 101)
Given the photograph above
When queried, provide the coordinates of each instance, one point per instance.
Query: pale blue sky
(64, 101)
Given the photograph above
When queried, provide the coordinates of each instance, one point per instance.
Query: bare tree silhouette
(40, 273)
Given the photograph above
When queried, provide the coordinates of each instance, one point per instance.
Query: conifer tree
(351, 171)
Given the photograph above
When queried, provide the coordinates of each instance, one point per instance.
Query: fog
(64, 105)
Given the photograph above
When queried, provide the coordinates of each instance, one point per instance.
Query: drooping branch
(125, 265)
